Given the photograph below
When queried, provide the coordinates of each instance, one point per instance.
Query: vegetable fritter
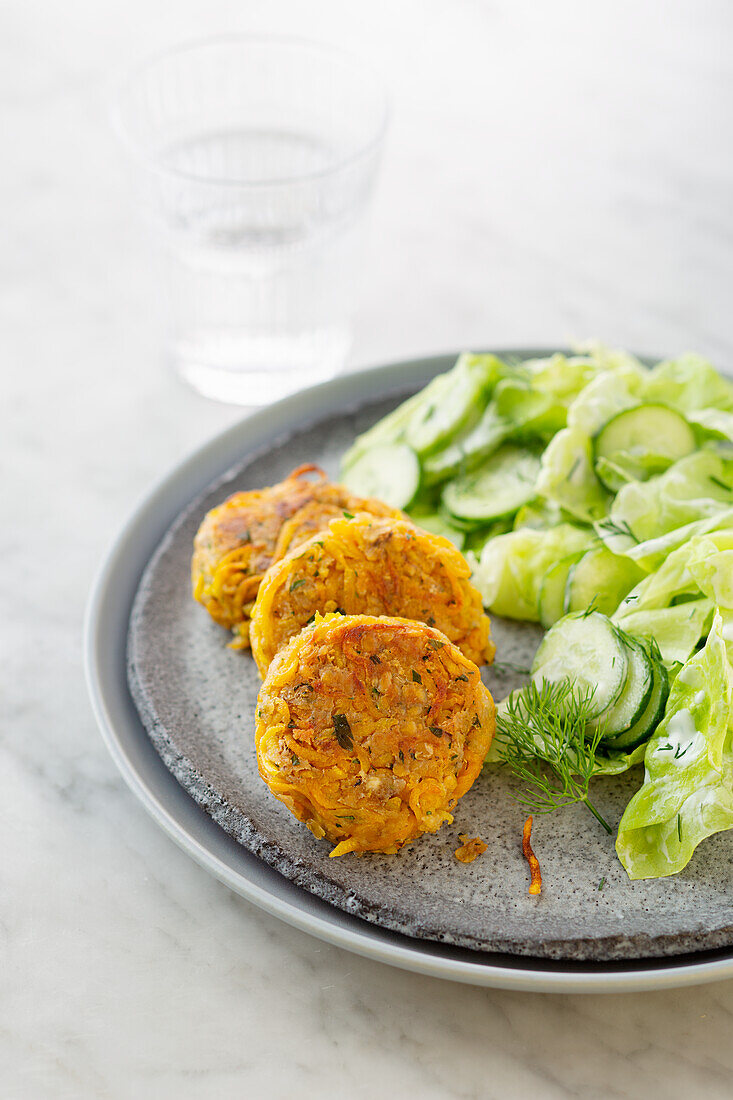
(370, 729)
(371, 566)
(240, 539)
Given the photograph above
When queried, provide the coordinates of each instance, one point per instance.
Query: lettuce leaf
(567, 477)
(609, 393)
(617, 762)
(540, 514)
(697, 487)
(527, 411)
(687, 384)
(677, 577)
(687, 793)
(511, 568)
(561, 376)
(676, 630)
(675, 604)
(714, 572)
(712, 423)
(651, 553)
(613, 359)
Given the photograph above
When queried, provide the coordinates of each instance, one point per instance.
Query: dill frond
(543, 730)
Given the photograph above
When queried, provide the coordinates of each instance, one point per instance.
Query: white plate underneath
(191, 827)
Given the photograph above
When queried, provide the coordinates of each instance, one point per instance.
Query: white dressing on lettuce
(683, 743)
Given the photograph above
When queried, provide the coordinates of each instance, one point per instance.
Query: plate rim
(105, 636)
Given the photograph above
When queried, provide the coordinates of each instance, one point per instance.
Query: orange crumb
(535, 886)
(470, 848)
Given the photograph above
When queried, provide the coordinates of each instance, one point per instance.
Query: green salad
(593, 495)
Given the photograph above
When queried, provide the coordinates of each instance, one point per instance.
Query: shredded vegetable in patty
(470, 849)
(370, 729)
(241, 538)
(370, 566)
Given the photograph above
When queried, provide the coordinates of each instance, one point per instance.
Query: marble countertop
(553, 172)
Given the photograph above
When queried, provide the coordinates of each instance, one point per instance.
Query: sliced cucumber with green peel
(600, 579)
(552, 590)
(469, 450)
(456, 403)
(438, 525)
(504, 483)
(588, 650)
(645, 440)
(633, 700)
(613, 475)
(390, 473)
(477, 537)
(539, 514)
(462, 524)
(390, 429)
(651, 716)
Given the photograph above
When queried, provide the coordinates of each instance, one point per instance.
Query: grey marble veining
(553, 171)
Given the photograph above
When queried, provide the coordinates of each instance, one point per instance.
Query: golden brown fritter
(370, 566)
(240, 539)
(370, 729)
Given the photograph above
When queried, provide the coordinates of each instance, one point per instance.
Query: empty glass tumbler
(256, 159)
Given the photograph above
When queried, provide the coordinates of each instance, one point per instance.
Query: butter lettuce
(614, 763)
(652, 553)
(562, 376)
(567, 477)
(678, 577)
(609, 393)
(687, 794)
(674, 605)
(528, 412)
(676, 630)
(712, 423)
(511, 568)
(696, 487)
(714, 572)
(687, 384)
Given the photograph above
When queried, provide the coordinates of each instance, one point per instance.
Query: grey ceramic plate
(196, 698)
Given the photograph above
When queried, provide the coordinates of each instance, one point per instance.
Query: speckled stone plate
(196, 700)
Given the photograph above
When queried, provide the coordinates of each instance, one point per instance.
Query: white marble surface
(554, 170)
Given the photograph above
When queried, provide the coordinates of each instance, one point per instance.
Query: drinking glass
(255, 161)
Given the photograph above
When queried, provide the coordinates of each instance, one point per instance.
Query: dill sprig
(618, 527)
(543, 728)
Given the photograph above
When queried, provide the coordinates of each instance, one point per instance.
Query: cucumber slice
(477, 538)
(613, 475)
(552, 590)
(504, 483)
(463, 524)
(587, 649)
(633, 700)
(390, 429)
(469, 450)
(390, 473)
(645, 440)
(539, 514)
(601, 579)
(438, 525)
(651, 716)
(457, 401)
